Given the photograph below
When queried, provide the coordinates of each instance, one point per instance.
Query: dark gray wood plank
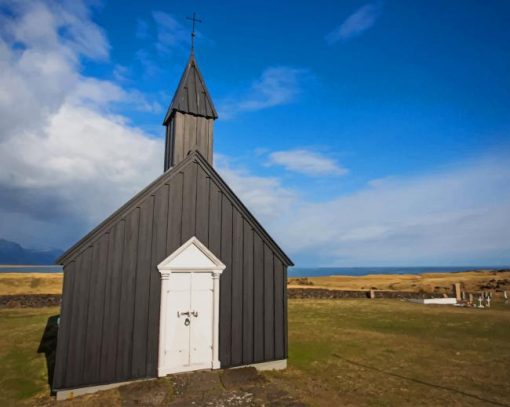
(279, 328)
(178, 141)
(189, 202)
(95, 310)
(215, 198)
(203, 136)
(73, 351)
(66, 312)
(285, 318)
(168, 151)
(127, 297)
(159, 253)
(192, 93)
(174, 225)
(79, 324)
(210, 141)
(247, 292)
(112, 304)
(268, 304)
(190, 134)
(139, 366)
(237, 290)
(202, 218)
(226, 284)
(258, 294)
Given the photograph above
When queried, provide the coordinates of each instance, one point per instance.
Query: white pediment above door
(192, 255)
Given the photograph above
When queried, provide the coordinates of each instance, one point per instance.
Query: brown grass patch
(30, 283)
(437, 283)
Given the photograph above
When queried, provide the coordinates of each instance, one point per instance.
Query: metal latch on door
(188, 313)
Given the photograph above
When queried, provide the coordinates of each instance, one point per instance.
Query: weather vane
(195, 20)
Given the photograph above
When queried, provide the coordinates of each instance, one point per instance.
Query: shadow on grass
(48, 346)
(411, 379)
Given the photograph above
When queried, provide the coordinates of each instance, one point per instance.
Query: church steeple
(190, 117)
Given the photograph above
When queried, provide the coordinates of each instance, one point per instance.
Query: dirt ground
(234, 387)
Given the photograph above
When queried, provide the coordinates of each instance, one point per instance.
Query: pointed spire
(192, 96)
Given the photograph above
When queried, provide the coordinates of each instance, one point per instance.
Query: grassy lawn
(390, 352)
(342, 352)
(23, 374)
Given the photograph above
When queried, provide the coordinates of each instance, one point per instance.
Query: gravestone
(456, 288)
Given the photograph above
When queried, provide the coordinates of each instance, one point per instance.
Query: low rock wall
(323, 293)
(29, 301)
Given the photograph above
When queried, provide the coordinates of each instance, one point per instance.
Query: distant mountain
(14, 253)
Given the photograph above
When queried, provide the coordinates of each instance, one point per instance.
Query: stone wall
(29, 301)
(323, 293)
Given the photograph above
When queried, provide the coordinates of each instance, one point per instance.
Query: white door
(190, 302)
(189, 325)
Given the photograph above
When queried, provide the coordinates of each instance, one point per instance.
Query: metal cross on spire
(194, 19)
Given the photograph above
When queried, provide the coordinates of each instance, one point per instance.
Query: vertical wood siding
(187, 133)
(110, 311)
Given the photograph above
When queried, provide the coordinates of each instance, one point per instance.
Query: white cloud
(265, 196)
(67, 161)
(306, 162)
(459, 215)
(276, 86)
(99, 93)
(356, 24)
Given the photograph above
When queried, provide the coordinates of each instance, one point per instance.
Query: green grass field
(23, 373)
(341, 352)
(390, 352)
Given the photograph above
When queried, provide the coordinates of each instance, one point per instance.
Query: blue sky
(360, 133)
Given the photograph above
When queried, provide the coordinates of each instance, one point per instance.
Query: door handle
(179, 313)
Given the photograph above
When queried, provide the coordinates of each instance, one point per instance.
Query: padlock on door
(187, 322)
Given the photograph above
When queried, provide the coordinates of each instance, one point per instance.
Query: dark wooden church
(180, 278)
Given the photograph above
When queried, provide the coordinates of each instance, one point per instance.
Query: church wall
(110, 312)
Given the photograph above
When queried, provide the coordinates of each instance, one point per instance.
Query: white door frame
(187, 259)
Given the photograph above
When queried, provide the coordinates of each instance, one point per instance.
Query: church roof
(152, 189)
(192, 96)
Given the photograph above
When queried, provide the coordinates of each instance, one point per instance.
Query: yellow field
(30, 283)
(45, 283)
(430, 283)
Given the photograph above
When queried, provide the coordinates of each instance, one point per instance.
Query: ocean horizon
(300, 271)
(363, 271)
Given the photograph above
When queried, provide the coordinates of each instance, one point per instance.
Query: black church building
(180, 278)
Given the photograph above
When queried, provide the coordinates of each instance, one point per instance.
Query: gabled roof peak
(192, 96)
(120, 214)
